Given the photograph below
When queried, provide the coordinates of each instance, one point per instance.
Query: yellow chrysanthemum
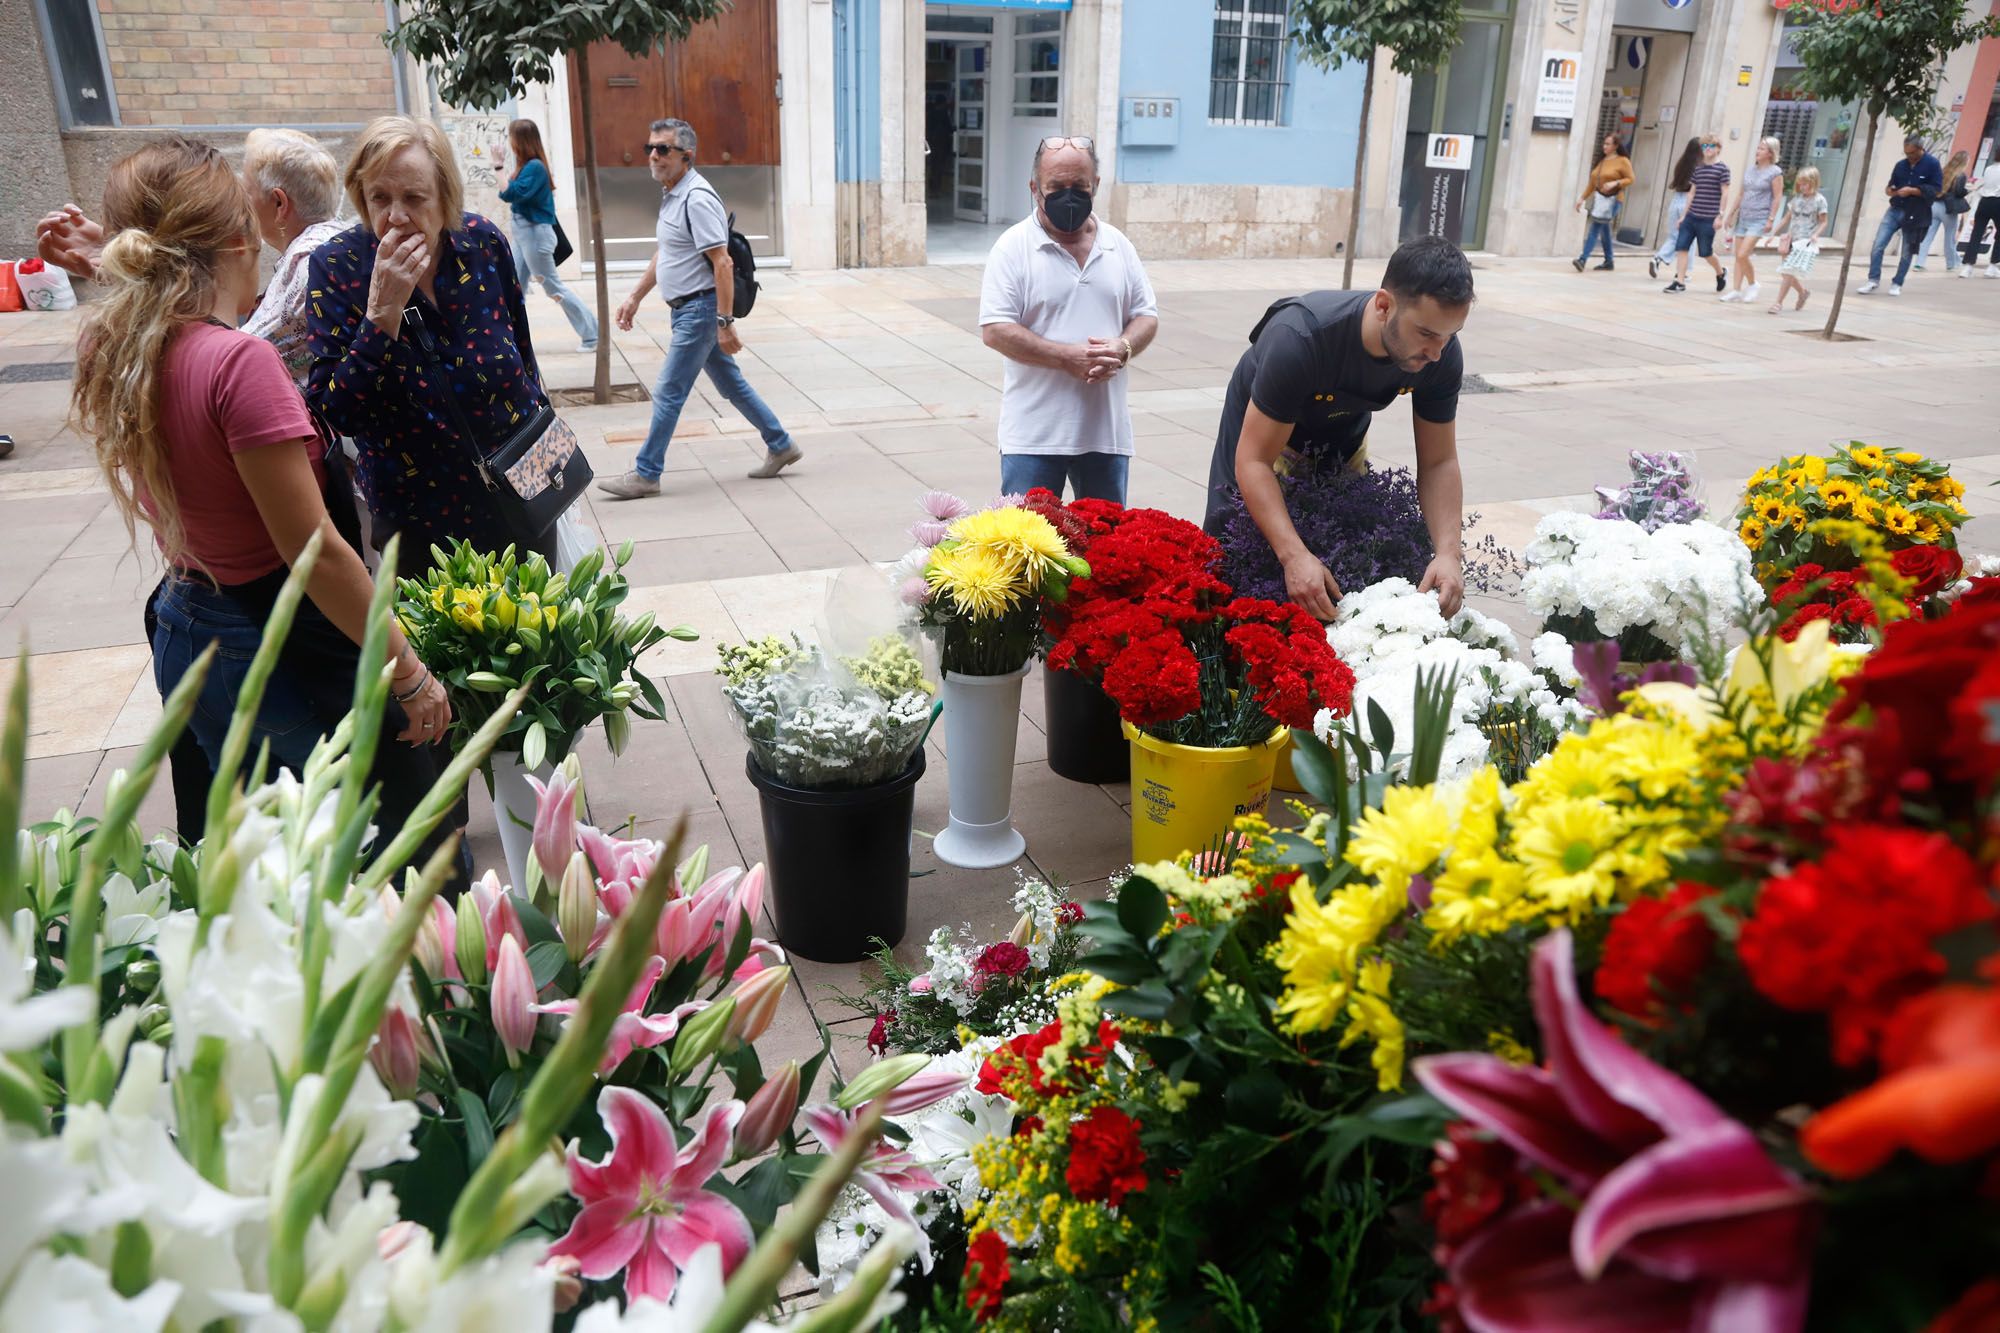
(1018, 533)
(1656, 758)
(1839, 494)
(977, 579)
(1752, 532)
(1570, 850)
(1477, 893)
(1369, 1015)
(1579, 768)
(1899, 520)
(1867, 455)
(1401, 839)
(1320, 949)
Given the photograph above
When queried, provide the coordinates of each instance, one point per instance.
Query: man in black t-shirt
(1319, 367)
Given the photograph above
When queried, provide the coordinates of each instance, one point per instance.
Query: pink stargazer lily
(623, 866)
(634, 1027)
(886, 1174)
(1687, 1226)
(710, 916)
(645, 1212)
(555, 824)
(497, 911)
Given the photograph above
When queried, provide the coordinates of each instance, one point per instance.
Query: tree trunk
(1360, 163)
(1854, 241)
(601, 386)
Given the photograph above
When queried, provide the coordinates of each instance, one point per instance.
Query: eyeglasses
(653, 148)
(1083, 141)
(1707, 146)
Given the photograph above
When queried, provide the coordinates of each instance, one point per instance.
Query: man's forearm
(725, 284)
(1141, 331)
(648, 278)
(1017, 343)
(1265, 499)
(1441, 494)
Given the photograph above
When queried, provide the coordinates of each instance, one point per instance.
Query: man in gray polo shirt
(691, 267)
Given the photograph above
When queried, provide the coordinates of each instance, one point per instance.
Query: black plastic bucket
(839, 863)
(1086, 743)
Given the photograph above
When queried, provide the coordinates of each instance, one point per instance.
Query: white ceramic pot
(514, 811)
(981, 717)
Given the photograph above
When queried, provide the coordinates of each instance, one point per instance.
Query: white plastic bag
(575, 539)
(44, 287)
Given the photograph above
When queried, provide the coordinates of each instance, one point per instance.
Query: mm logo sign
(1559, 67)
(1449, 152)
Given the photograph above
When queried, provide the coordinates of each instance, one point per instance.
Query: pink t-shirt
(223, 392)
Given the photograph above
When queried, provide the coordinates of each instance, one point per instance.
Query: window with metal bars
(1247, 64)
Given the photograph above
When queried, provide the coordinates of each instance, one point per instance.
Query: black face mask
(1068, 208)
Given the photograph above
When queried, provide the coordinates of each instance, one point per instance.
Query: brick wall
(247, 62)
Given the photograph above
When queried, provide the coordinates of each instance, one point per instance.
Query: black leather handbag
(563, 248)
(535, 473)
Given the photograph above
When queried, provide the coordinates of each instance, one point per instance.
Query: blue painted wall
(857, 90)
(1167, 55)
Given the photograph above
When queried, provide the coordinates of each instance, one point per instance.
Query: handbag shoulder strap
(413, 316)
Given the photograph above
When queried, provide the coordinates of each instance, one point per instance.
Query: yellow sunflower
(1814, 467)
(1899, 520)
(1867, 455)
(1752, 533)
(1796, 517)
(1771, 510)
(1796, 478)
(1906, 457)
(1839, 494)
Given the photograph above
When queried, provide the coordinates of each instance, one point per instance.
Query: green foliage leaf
(478, 1128)
(546, 961)
(1315, 765)
(1142, 908)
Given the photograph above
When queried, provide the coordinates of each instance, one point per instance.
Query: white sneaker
(1965, 270)
(1750, 292)
(1993, 270)
(1895, 289)
(1865, 288)
(1732, 296)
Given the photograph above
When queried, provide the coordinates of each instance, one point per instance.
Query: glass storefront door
(1462, 96)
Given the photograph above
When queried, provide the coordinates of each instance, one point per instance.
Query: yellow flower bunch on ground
(1906, 498)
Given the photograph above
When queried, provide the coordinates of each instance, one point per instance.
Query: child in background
(1805, 217)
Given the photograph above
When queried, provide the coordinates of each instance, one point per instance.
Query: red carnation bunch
(1005, 959)
(986, 1273)
(1654, 952)
(1105, 1160)
(1287, 660)
(1855, 932)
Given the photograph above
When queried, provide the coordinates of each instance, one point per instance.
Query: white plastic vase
(981, 717)
(514, 811)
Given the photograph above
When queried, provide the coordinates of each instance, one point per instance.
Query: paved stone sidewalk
(881, 376)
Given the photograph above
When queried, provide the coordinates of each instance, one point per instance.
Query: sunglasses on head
(653, 148)
(1711, 145)
(1083, 141)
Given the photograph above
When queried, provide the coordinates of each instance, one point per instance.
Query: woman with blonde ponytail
(203, 436)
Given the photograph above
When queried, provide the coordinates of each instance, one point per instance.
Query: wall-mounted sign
(1743, 76)
(1447, 162)
(1555, 95)
(1449, 152)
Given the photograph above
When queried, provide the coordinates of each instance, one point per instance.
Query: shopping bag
(575, 539)
(43, 287)
(10, 288)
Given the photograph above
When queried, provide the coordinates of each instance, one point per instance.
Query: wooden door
(723, 80)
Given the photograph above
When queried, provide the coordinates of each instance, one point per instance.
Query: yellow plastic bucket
(1282, 776)
(1184, 797)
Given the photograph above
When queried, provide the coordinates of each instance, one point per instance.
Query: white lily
(26, 1019)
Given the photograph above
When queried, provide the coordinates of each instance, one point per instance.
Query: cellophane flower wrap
(1901, 497)
(986, 582)
(849, 722)
(486, 623)
(1181, 655)
(1655, 593)
(1663, 490)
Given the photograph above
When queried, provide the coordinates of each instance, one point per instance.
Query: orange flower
(1939, 1095)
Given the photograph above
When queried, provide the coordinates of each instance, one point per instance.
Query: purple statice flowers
(1663, 491)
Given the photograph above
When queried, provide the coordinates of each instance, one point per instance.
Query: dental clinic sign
(1447, 167)
(1555, 94)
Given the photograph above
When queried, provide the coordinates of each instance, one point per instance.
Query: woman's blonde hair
(1955, 168)
(171, 209)
(1772, 142)
(387, 136)
(1806, 183)
(297, 163)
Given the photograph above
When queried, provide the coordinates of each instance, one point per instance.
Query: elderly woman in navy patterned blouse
(417, 249)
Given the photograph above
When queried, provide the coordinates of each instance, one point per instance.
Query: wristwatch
(724, 321)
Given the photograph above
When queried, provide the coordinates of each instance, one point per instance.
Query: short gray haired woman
(294, 187)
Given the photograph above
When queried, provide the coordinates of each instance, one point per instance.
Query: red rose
(1654, 951)
(986, 1272)
(1929, 568)
(1105, 1160)
(1068, 913)
(1912, 680)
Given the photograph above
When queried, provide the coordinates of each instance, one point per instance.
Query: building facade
(897, 132)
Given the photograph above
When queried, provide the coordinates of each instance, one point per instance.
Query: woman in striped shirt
(1710, 182)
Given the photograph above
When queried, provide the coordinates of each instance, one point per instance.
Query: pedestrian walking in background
(202, 435)
(697, 279)
(1950, 205)
(1755, 216)
(1679, 183)
(1913, 186)
(1066, 301)
(1604, 195)
(1987, 191)
(1802, 223)
(531, 192)
(1707, 184)
(420, 334)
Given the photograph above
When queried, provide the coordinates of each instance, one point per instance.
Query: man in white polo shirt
(1066, 301)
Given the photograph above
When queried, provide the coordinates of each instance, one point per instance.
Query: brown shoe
(773, 464)
(630, 486)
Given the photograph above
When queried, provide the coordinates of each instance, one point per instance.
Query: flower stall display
(987, 575)
(1663, 491)
(1207, 682)
(1656, 593)
(836, 751)
(1390, 634)
(1364, 526)
(227, 1088)
(1902, 498)
(486, 624)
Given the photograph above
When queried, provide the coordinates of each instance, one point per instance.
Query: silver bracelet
(415, 689)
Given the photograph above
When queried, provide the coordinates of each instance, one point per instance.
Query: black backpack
(741, 259)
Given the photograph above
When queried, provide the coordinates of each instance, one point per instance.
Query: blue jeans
(1696, 232)
(1892, 222)
(1090, 476)
(1600, 229)
(1676, 209)
(692, 351)
(1941, 221)
(535, 256)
